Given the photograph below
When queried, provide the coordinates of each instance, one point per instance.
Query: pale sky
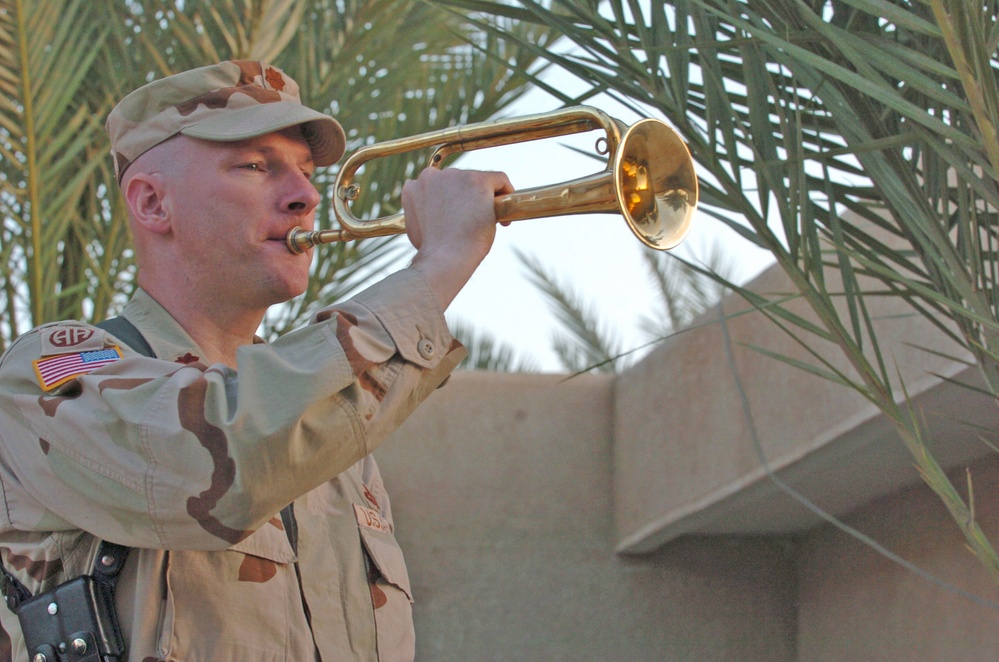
(597, 255)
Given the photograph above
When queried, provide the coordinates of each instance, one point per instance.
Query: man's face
(231, 206)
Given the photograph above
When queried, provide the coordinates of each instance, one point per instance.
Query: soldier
(236, 472)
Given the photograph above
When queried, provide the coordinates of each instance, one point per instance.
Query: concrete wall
(685, 458)
(855, 604)
(629, 518)
(501, 488)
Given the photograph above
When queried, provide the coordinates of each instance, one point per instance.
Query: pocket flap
(269, 542)
(383, 549)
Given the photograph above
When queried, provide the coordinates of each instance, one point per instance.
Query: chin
(299, 285)
(288, 280)
(277, 295)
(291, 288)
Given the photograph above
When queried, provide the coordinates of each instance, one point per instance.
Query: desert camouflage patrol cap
(232, 100)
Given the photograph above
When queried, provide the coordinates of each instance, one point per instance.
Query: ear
(146, 196)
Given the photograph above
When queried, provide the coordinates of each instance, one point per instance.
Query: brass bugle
(649, 178)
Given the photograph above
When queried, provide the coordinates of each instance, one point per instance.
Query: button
(426, 348)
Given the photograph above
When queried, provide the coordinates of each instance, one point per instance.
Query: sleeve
(150, 453)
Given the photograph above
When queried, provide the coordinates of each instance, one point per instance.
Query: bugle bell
(649, 178)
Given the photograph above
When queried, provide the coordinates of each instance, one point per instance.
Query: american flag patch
(54, 371)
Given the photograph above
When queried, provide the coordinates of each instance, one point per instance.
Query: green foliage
(486, 353)
(586, 344)
(56, 241)
(855, 140)
(685, 290)
(64, 63)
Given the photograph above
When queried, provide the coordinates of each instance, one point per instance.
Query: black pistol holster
(76, 620)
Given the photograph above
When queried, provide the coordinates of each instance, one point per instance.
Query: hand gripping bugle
(649, 178)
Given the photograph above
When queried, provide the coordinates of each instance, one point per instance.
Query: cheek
(220, 221)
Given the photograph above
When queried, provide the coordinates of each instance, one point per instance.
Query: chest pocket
(239, 604)
(384, 552)
(388, 580)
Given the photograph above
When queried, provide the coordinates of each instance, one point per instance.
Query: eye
(255, 167)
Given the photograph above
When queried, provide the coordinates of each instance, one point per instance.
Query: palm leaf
(485, 352)
(855, 140)
(48, 128)
(63, 64)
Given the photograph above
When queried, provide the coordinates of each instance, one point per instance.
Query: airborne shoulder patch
(64, 338)
(69, 350)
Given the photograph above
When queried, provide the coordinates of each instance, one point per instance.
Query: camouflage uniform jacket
(191, 464)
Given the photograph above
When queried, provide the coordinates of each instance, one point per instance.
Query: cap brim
(324, 134)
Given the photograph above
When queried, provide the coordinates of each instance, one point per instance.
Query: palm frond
(685, 292)
(47, 156)
(63, 64)
(855, 140)
(585, 345)
(485, 352)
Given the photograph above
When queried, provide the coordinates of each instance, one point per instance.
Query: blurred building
(645, 516)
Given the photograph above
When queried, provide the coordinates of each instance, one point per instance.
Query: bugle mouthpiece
(300, 240)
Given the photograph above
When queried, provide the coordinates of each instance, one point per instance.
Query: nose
(302, 195)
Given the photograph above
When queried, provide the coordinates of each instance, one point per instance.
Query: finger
(502, 184)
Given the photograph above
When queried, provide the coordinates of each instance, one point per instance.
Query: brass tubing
(649, 179)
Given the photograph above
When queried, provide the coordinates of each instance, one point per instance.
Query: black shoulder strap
(110, 556)
(125, 331)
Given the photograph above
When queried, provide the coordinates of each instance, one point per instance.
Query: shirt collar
(163, 333)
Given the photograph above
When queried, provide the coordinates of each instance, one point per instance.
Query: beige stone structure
(632, 517)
